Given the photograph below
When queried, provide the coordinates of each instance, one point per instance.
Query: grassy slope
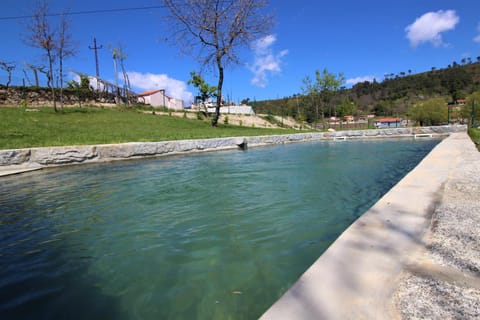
(475, 136)
(80, 126)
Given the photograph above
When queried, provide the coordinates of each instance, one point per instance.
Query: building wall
(158, 99)
(234, 110)
(387, 124)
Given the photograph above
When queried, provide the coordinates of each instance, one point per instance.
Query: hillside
(391, 97)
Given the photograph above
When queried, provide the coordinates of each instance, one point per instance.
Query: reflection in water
(211, 236)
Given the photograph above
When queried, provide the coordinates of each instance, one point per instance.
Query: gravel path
(444, 282)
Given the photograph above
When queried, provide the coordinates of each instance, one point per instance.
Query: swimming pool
(218, 235)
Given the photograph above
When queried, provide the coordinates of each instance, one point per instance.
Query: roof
(457, 102)
(388, 120)
(148, 93)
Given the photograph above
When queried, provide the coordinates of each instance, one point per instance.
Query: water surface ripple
(212, 236)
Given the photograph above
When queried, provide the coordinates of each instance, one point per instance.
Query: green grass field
(22, 128)
(474, 134)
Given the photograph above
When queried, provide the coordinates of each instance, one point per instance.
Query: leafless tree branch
(8, 67)
(217, 29)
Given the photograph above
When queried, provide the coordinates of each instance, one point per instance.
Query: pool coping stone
(15, 161)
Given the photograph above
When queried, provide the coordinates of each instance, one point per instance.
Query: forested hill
(393, 96)
(456, 82)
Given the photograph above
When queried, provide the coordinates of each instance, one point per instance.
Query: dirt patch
(256, 121)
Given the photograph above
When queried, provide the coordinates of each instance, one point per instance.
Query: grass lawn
(474, 134)
(21, 128)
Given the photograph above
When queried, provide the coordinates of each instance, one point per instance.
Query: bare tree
(119, 56)
(217, 28)
(25, 74)
(64, 48)
(8, 67)
(117, 88)
(41, 69)
(35, 72)
(41, 35)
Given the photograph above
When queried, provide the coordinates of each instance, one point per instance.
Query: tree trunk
(35, 73)
(50, 58)
(61, 80)
(219, 93)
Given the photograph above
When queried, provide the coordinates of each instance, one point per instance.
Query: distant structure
(108, 89)
(233, 109)
(388, 123)
(158, 98)
(225, 108)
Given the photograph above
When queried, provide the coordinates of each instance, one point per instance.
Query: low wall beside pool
(15, 160)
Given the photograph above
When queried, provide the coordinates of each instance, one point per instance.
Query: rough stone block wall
(20, 96)
(55, 156)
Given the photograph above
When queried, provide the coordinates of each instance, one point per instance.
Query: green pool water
(209, 236)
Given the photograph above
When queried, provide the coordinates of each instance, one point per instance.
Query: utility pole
(96, 48)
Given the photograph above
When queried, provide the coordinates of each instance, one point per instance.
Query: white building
(158, 98)
(235, 109)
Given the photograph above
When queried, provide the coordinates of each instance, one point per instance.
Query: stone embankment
(39, 97)
(18, 160)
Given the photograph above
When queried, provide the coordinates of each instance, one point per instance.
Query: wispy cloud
(477, 38)
(150, 81)
(430, 26)
(265, 60)
(354, 81)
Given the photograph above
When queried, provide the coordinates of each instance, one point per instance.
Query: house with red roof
(158, 98)
(388, 123)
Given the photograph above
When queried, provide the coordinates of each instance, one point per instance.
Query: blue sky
(362, 39)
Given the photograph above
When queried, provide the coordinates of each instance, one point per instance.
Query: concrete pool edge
(358, 276)
(15, 161)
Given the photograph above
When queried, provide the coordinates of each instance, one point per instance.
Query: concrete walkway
(365, 273)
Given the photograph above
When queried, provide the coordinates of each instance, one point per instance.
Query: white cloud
(353, 81)
(265, 60)
(150, 81)
(262, 45)
(477, 38)
(429, 27)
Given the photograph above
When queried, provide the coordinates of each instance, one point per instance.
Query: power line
(86, 12)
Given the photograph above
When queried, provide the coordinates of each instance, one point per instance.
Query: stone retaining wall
(55, 156)
(28, 96)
